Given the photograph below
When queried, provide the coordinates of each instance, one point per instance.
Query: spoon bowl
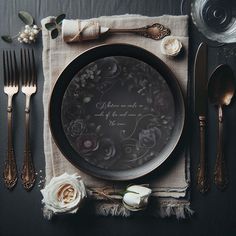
(221, 86)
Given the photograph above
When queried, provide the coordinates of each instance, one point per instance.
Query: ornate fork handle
(28, 172)
(10, 170)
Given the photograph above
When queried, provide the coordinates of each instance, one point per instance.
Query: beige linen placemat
(170, 185)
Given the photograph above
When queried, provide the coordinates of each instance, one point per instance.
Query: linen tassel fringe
(180, 211)
(107, 209)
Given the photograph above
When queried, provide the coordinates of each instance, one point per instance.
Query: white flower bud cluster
(28, 34)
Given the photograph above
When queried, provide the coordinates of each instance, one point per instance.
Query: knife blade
(200, 73)
(201, 101)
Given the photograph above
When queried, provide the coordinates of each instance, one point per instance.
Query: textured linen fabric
(170, 185)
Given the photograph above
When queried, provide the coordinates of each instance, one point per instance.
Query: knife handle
(202, 182)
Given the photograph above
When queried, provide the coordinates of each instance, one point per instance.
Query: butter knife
(201, 101)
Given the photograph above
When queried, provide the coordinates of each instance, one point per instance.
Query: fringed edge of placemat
(180, 209)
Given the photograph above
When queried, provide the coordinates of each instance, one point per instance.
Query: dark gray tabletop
(20, 211)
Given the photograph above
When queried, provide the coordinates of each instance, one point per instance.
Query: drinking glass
(216, 19)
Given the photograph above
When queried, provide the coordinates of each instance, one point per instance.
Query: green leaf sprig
(26, 18)
(55, 25)
(7, 38)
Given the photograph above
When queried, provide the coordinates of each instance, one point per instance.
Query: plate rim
(122, 175)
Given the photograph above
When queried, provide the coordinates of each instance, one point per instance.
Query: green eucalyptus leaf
(50, 25)
(54, 33)
(26, 17)
(60, 18)
(7, 38)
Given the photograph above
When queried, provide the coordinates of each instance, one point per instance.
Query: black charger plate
(117, 112)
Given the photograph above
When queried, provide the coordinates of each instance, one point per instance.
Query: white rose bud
(31, 38)
(63, 194)
(35, 27)
(136, 198)
(27, 27)
(170, 46)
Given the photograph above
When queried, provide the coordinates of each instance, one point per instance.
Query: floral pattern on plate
(118, 113)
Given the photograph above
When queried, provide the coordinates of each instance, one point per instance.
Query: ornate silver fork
(10, 73)
(29, 79)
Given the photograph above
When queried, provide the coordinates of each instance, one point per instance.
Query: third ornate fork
(28, 77)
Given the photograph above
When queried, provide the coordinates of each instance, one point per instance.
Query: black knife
(201, 101)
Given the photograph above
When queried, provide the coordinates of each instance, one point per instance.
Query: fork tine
(29, 69)
(23, 73)
(25, 68)
(4, 68)
(34, 76)
(8, 69)
(16, 76)
(21, 67)
(11, 78)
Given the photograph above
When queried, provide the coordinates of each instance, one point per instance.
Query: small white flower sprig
(29, 32)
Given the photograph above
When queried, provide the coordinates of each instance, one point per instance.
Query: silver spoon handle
(156, 31)
(220, 175)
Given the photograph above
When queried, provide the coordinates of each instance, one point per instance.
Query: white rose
(170, 46)
(63, 194)
(136, 198)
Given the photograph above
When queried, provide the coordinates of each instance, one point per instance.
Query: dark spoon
(221, 88)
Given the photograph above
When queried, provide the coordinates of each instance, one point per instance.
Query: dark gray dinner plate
(117, 112)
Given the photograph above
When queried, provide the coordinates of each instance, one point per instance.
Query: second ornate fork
(29, 79)
(10, 88)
